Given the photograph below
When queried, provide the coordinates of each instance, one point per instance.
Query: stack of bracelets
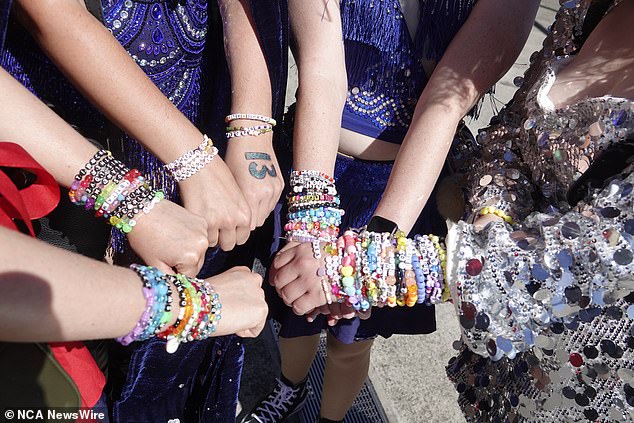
(192, 161)
(376, 269)
(362, 269)
(266, 125)
(198, 314)
(115, 192)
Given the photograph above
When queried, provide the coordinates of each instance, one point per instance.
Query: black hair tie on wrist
(381, 224)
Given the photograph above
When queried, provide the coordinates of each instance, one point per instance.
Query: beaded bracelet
(313, 208)
(250, 116)
(254, 131)
(192, 161)
(113, 191)
(198, 315)
(383, 269)
(158, 296)
(499, 213)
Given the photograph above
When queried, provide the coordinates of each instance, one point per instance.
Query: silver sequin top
(546, 305)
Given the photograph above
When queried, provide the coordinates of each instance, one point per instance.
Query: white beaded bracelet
(192, 161)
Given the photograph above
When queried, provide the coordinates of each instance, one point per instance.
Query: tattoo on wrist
(257, 171)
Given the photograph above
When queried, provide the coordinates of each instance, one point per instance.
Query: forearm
(317, 124)
(482, 51)
(322, 83)
(250, 82)
(108, 76)
(49, 294)
(48, 140)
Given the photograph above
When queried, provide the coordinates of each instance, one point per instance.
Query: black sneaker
(280, 404)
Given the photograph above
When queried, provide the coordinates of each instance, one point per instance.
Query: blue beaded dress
(386, 76)
(179, 46)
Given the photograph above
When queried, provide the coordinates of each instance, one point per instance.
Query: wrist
(381, 224)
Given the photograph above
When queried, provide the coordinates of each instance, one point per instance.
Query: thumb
(163, 267)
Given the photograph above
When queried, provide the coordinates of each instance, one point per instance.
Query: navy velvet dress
(179, 46)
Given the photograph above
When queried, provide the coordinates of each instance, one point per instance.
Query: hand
(254, 166)
(244, 309)
(481, 221)
(169, 237)
(335, 312)
(294, 275)
(213, 194)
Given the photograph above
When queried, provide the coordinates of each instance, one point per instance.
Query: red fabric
(77, 361)
(33, 202)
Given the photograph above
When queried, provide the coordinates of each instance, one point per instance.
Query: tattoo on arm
(256, 171)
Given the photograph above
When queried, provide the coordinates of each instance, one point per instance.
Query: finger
(212, 236)
(316, 312)
(163, 267)
(332, 320)
(190, 270)
(335, 310)
(293, 291)
(306, 303)
(255, 209)
(263, 213)
(364, 315)
(242, 234)
(311, 315)
(283, 258)
(227, 239)
(200, 264)
(347, 312)
(284, 276)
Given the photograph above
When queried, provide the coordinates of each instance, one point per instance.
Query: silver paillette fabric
(546, 305)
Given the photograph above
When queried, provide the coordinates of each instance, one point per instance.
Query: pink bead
(347, 261)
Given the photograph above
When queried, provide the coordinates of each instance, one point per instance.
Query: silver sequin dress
(546, 305)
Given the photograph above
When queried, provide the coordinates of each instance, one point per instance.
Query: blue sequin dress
(170, 42)
(384, 67)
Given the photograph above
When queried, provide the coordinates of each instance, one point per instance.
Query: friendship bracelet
(198, 315)
(369, 269)
(115, 192)
(192, 161)
(492, 210)
(250, 116)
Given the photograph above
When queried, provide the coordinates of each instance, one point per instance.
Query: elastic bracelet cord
(112, 191)
(199, 309)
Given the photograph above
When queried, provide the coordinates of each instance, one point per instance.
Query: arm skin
(482, 51)
(49, 294)
(321, 95)
(137, 106)
(180, 243)
(250, 93)
(318, 49)
(477, 57)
